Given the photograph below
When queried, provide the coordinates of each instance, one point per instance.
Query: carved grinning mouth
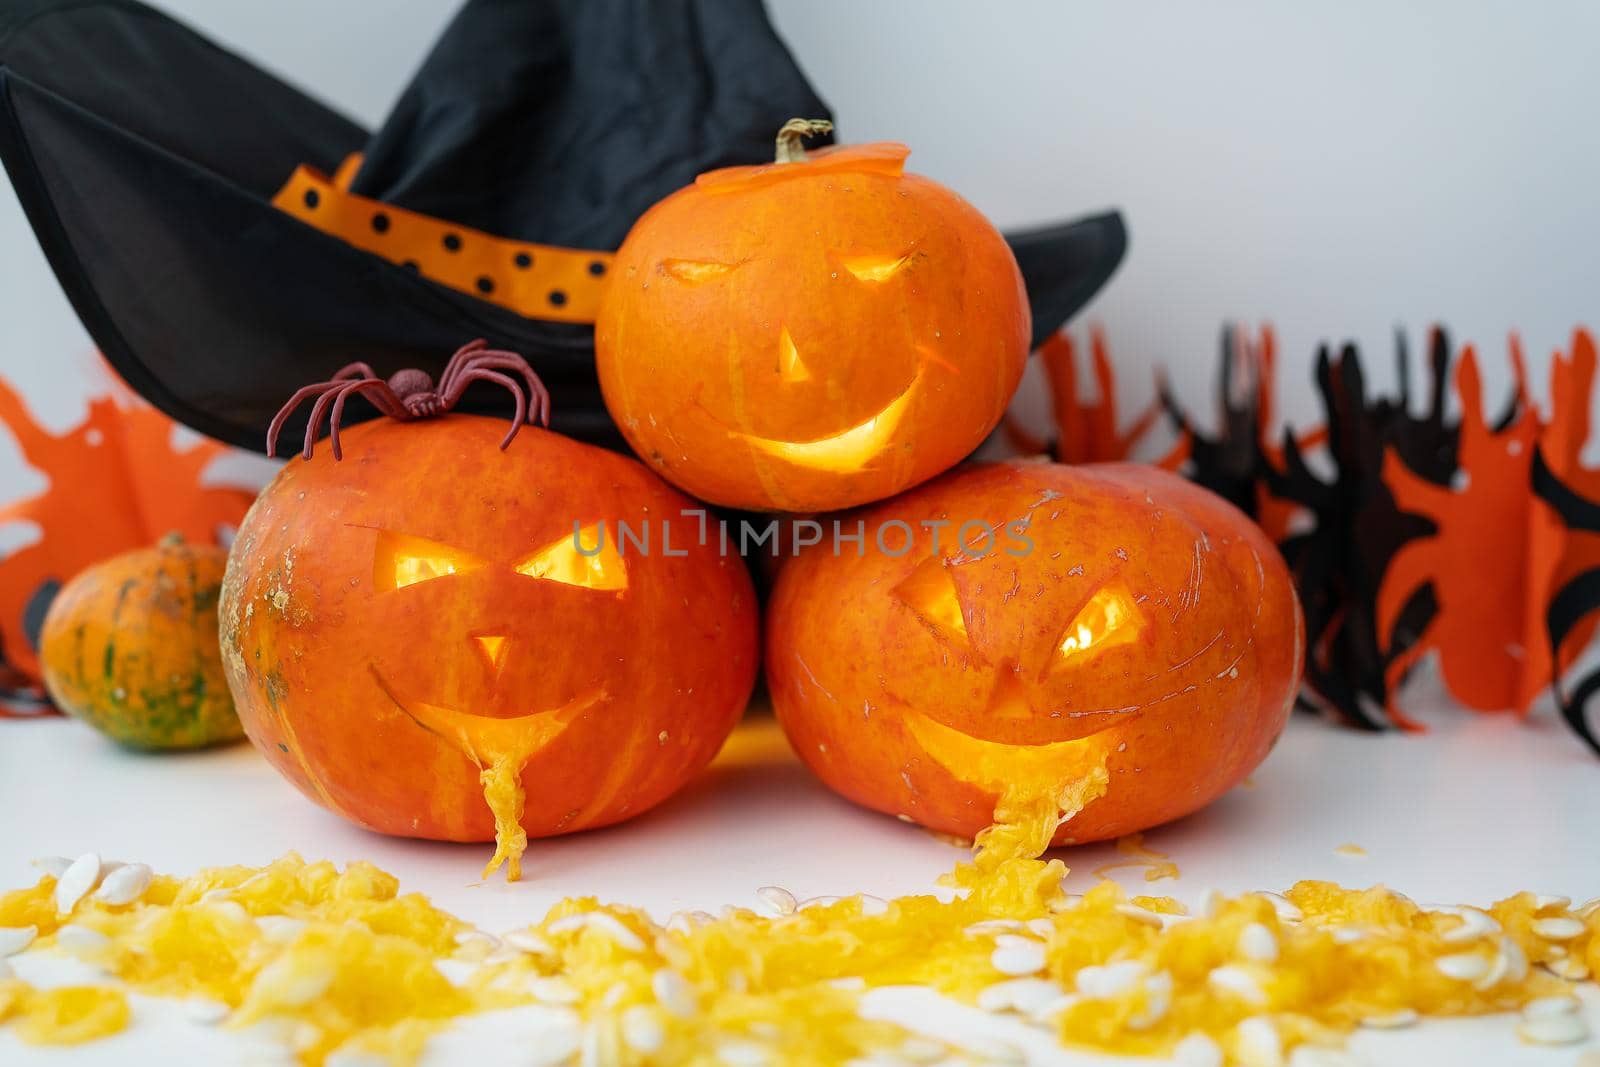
(849, 449)
(483, 738)
(996, 765)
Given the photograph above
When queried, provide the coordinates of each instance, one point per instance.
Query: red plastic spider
(410, 393)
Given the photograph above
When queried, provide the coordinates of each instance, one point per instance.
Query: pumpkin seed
(529, 942)
(1109, 979)
(1238, 981)
(1257, 942)
(1257, 1043)
(1560, 928)
(1018, 994)
(1474, 924)
(76, 939)
(82, 875)
(779, 899)
(124, 884)
(642, 1030)
(1553, 1030)
(599, 920)
(1197, 1050)
(1544, 1007)
(1462, 966)
(1017, 955)
(54, 866)
(674, 993)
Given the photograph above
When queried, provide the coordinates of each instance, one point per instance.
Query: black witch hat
(225, 237)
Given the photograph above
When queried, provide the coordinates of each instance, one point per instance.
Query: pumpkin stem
(791, 138)
(171, 539)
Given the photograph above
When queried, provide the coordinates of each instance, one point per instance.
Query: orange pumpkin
(420, 638)
(1066, 619)
(810, 334)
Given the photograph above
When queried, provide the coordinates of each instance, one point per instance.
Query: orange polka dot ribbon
(534, 280)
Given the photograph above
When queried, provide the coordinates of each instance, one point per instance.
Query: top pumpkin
(811, 334)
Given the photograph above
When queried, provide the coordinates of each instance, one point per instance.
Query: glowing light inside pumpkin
(999, 767)
(560, 561)
(929, 592)
(791, 368)
(874, 268)
(695, 271)
(493, 647)
(401, 560)
(1107, 620)
(850, 449)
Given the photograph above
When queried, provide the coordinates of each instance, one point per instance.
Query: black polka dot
(523, 261)
(380, 222)
(557, 297)
(452, 241)
(411, 265)
(485, 284)
(311, 198)
(596, 268)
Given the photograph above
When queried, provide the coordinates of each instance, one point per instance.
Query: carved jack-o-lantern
(414, 630)
(811, 334)
(1070, 618)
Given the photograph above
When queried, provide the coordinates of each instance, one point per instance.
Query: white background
(1339, 169)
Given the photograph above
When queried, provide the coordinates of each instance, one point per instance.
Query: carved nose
(1008, 700)
(791, 368)
(492, 647)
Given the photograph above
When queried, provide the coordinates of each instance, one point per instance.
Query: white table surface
(1477, 809)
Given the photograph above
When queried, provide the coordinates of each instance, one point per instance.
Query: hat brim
(1066, 264)
(212, 303)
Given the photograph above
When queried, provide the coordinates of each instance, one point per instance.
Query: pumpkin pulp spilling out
(342, 961)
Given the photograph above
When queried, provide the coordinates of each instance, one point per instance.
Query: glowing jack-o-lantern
(1067, 619)
(432, 623)
(810, 334)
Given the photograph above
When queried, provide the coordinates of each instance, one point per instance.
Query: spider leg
(354, 371)
(538, 395)
(318, 410)
(284, 412)
(482, 374)
(377, 393)
(458, 362)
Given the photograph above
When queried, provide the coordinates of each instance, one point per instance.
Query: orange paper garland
(116, 482)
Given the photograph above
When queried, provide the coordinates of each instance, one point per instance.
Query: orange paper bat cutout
(1574, 551)
(1084, 432)
(116, 482)
(1498, 553)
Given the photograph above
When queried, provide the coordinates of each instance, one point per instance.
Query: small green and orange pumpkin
(130, 647)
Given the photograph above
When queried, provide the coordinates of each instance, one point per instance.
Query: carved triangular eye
(587, 558)
(695, 271)
(1107, 620)
(929, 592)
(401, 560)
(874, 268)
